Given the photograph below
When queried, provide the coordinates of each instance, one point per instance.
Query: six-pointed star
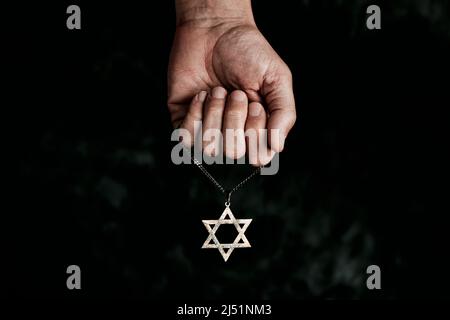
(227, 248)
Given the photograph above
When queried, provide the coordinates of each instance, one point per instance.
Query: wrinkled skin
(233, 55)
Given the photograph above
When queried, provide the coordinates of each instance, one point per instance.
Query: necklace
(227, 217)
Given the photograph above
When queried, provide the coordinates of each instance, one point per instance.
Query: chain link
(219, 186)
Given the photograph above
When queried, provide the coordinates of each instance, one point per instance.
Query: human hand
(213, 50)
(242, 124)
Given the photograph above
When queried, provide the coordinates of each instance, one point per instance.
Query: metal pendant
(227, 217)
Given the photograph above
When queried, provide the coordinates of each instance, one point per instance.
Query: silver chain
(219, 186)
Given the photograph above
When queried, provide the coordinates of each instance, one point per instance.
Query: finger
(234, 124)
(177, 114)
(256, 136)
(253, 96)
(212, 121)
(279, 96)
(193, 115)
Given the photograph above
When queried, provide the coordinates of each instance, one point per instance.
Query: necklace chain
(219, 186)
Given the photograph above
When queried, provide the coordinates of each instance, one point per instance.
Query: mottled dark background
(360, 181)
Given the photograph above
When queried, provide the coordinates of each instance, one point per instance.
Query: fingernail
(219, 93)
(238, 96)
(255, 109)
(202, 96)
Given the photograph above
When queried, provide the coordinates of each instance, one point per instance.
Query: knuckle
(285, 70)
(234, 113)
(292, 118)
(288, 72)
(215, 107)
(193, 117)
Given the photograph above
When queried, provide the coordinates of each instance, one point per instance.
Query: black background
(361, 180)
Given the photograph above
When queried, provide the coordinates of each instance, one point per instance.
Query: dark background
(360, 181)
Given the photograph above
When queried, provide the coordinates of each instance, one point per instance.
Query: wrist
(211, 13)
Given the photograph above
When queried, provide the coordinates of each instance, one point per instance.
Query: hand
(230, 53)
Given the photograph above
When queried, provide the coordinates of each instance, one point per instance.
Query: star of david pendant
(226, 249)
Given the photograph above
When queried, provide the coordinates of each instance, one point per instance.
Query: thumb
(279, 96)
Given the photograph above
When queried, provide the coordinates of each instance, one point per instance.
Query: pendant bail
(228, 199)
